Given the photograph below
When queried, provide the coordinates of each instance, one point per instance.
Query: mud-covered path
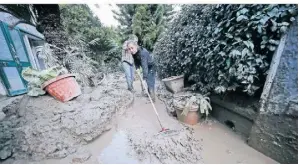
(218, 143)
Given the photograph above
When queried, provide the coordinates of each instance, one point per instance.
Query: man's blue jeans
(129, 72)
(151, 79)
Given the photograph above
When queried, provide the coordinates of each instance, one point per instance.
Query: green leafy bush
(223, 47)
(86, 31)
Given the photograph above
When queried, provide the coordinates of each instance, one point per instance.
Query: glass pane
(39, 55)
(14, 78)
(29, 50)
(18, 45)
(4, 50)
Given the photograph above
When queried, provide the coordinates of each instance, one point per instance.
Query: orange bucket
(63, 87)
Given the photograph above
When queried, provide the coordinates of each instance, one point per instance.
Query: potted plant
(56, 81)
(191, 107)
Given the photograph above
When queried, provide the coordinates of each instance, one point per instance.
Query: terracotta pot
(192, 117)
(63, 87)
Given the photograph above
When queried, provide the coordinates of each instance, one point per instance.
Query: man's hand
(139, 71)
(143, 80)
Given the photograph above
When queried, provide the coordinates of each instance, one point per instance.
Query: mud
(44, 128)
(166, 97)
(180, 147)
(132, 139)
(217, 139)
(141, 129)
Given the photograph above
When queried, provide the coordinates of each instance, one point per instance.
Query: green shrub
(223, 47)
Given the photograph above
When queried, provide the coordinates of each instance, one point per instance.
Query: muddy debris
(81, 157)
(166, 97)
(41, 128)
(2, 115)
(12, 108)
(180, 147)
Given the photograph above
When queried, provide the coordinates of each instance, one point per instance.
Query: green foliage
(223, 47)
(37, 78)
(99, 42)
(187, 101)
(76, 61)
(146, 21)
(124, 16)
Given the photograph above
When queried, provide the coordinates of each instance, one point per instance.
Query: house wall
(275, 131)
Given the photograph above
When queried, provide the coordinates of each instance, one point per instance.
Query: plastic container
(63, 88)
(174, 84)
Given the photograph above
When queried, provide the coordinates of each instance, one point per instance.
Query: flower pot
(174, 84)
(63, 88)
(192, 117)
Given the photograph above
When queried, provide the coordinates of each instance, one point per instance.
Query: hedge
(223, 48)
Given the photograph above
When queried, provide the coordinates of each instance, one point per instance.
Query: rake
(163, 129)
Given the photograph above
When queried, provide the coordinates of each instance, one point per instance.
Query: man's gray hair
(133, 37)
(132, 42)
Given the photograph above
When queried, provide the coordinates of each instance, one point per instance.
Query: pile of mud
(178, 147)
(44, 128)
(164, 95)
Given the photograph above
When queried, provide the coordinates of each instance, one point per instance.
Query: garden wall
(235, 111)
(275, 131)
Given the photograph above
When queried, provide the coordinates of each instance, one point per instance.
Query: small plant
(204, 104)
(191, 100)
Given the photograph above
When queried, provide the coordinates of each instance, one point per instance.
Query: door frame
(15, 62)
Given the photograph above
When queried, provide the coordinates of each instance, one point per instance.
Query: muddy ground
(208, 142)
(88, 130)
(133, 139)
(44, 128)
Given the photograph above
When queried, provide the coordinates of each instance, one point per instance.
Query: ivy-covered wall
(275, 132)
(223, 48)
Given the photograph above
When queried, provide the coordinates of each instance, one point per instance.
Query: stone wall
(275, 131)
(239, 118)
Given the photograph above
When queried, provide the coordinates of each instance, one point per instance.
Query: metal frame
(26, 32)
(11, 41)
(2, 75)
(14, 63)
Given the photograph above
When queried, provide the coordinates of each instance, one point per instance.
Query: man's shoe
(143, 93)
(152, 95)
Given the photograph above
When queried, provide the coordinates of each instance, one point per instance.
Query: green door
(13, 59)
